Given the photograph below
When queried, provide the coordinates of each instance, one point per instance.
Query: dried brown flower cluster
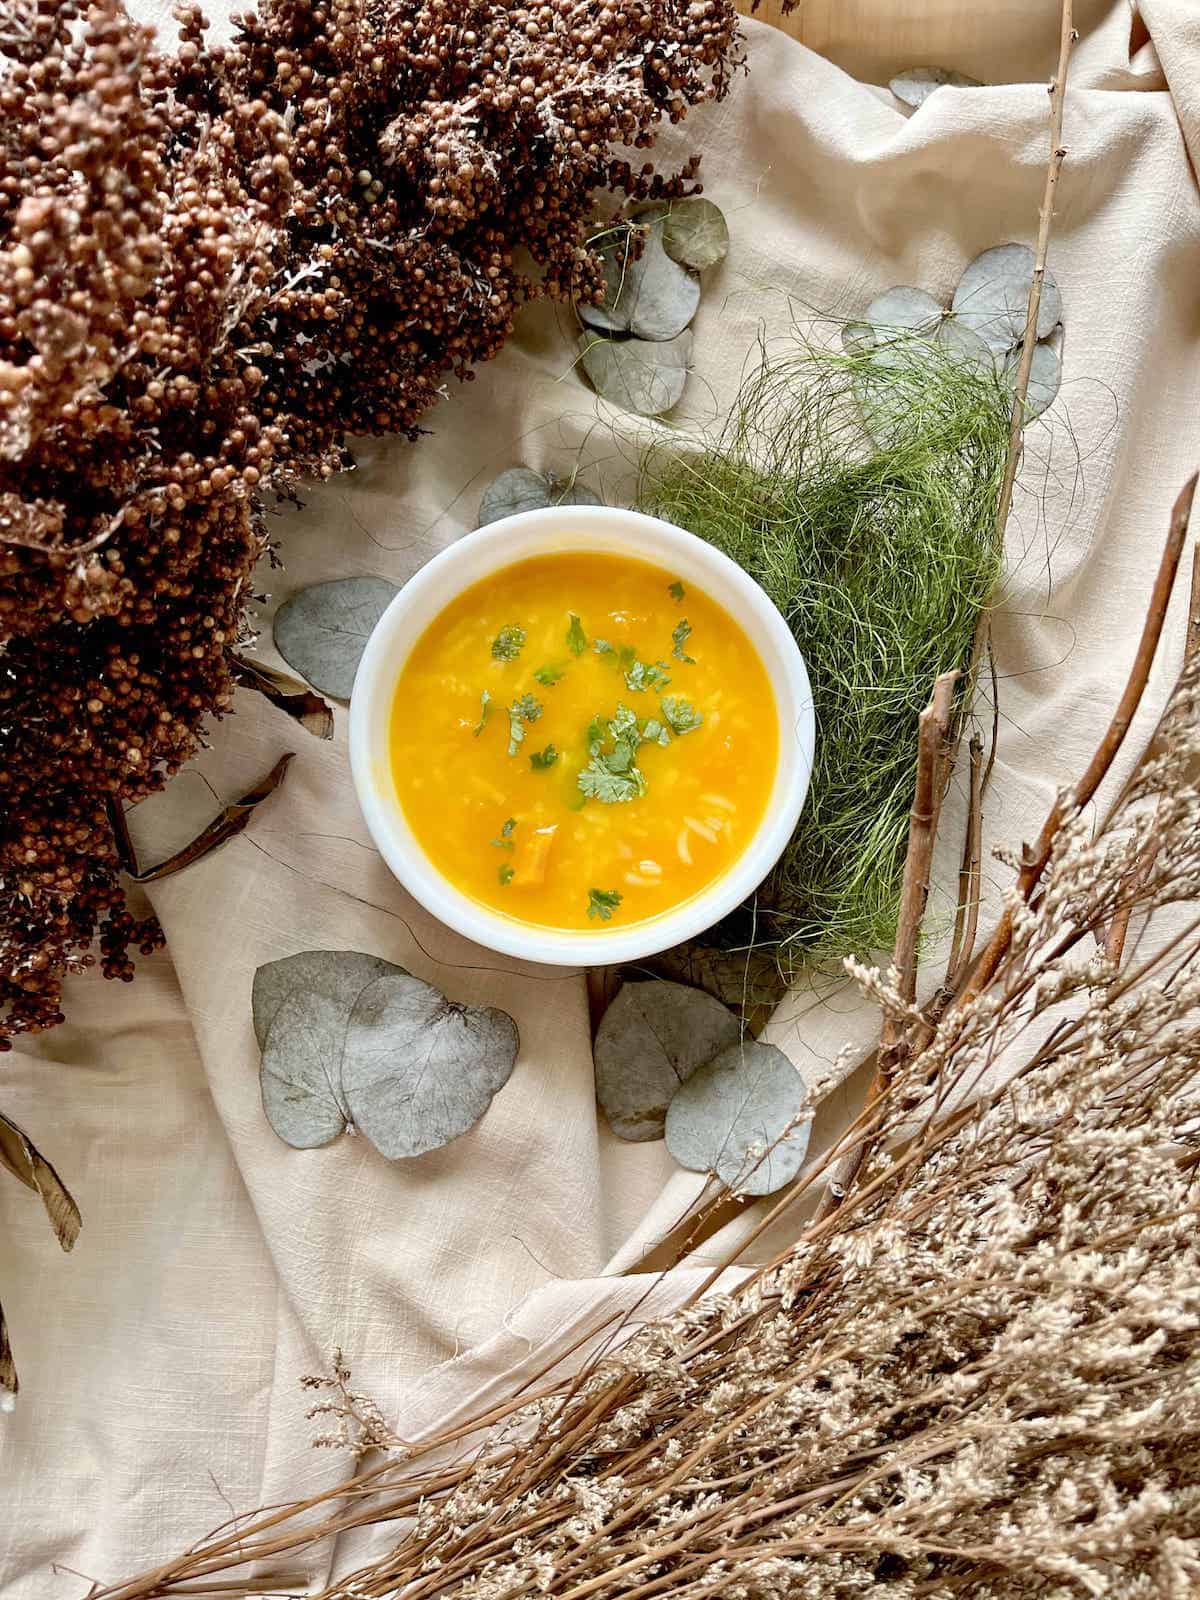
(215, 265)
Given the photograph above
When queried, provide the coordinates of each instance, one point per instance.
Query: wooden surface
(874, 39)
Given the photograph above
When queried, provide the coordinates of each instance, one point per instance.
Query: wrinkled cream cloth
(160, 1361)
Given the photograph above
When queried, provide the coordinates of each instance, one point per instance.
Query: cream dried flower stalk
(979, 1374)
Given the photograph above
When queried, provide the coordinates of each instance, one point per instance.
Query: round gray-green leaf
(903, 309)
(961, 343)
(521, 489)
(1045, 376)
(649, 295)
(992, 297)
(916, 84)
(638, 375)
(339, 975)
(695, 233)
(301, 1062)
(613, 312)
(651, 1039)
(418, 1070)
(733, 1117)
(323, 631)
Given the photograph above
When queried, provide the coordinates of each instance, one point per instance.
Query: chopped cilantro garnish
(681, 716)
(676, 590)
(508, 643)
(504, 842)
(647, 675)
(599, 782)
(505, 874)
(627, 657)
(526, 709)
(624, 725)
(653, 732)
(678, 639)
(621, 758)
(596, 735)
(602, 903)
(541, 759)
(603, 648)
(485, 711)
(576, 638)
(548, 675)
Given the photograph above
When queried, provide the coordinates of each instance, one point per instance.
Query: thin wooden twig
(1139, 875)
(966, 918)
(914, 895)
(932, 733)
(1037, 855)
(1057, 92)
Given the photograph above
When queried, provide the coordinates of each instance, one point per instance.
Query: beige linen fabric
(160, 1361)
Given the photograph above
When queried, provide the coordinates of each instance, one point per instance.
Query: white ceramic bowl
(500, 544)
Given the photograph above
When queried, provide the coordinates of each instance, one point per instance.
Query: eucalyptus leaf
(516, 489)
(301, 1069)
(649, 295)
(323, 630)
(418, 1069)
(993, 295)
(962, 343)
(617, 257)
(651, 1039)
(339, 975)
(733, 1117)
(1045, 377)
(857, 337)
(916, 84)
(520, 489)
(695, 233)
(903, 309)
(638, 375)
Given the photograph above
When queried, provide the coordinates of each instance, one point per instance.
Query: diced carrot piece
(533, 857)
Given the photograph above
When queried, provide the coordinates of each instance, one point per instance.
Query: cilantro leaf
(602, 903)
(621, 758)
(523, 710)
(628, 656)
(598, 782)
(505, 874)
(624, 725)
(576, 638)
(647, 675)
(541, 759)
(603, 648)
(596, 735)
(508, 643)
(548, 675)
(653, 732)
(679, 714)
(676, 590)
(504, 842)
(485, 711)
(679, 639)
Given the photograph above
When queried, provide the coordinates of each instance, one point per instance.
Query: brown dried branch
(122, 843)
(1038, 855)
(1135, 882)
(922, 833)
(1057, 91)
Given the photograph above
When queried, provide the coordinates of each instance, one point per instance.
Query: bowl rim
(493, 547)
